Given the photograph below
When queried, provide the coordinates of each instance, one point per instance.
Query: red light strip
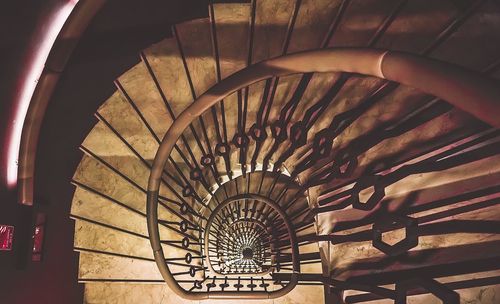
(53, 27)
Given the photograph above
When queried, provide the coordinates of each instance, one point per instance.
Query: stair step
(121, 115)
(480, 32)
(116, 171)
(95, 175)
(108, 146)
(308, 248)
(195, 38)
(217, 301)
(95, 266)
(402, 35)
(90, 205)
(97, 237)
(232, 21)
(312, 23)
(118, 293)
(166, 63)
(272, 18)
(303, 294)
(139, 84)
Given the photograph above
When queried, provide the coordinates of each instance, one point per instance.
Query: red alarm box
(38, 236)
(6, 237)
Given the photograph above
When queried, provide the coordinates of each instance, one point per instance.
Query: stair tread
(303, 294)
(312, 24)
(166, 62)
(89, 205)
(399, 35)
(118, 293)
(195, 37)
(232, 22)
(96, 176)
(480, 33)
(272, 18)
(139, 84)
(107, 146)
(92, 236)
(119, 113)
(107, 267)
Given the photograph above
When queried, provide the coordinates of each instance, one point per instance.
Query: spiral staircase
(303, 187)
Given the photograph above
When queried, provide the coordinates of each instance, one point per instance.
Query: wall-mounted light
(38, 237)
(42, 46)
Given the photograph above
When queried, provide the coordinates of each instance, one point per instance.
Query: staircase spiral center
(247, 253)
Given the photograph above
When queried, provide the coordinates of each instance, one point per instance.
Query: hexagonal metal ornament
(392, 222)
(364, 183)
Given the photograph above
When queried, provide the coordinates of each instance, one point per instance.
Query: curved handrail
(465, 89)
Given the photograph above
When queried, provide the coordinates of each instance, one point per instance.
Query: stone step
(97, 176)
(303, 294)
(90, 235)
(88, 203)
(195, 39)
(134, 293)
(112, 149)
(106, 267)
(120, 113)
(232, 25)
(130, 293)
(118, 293)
